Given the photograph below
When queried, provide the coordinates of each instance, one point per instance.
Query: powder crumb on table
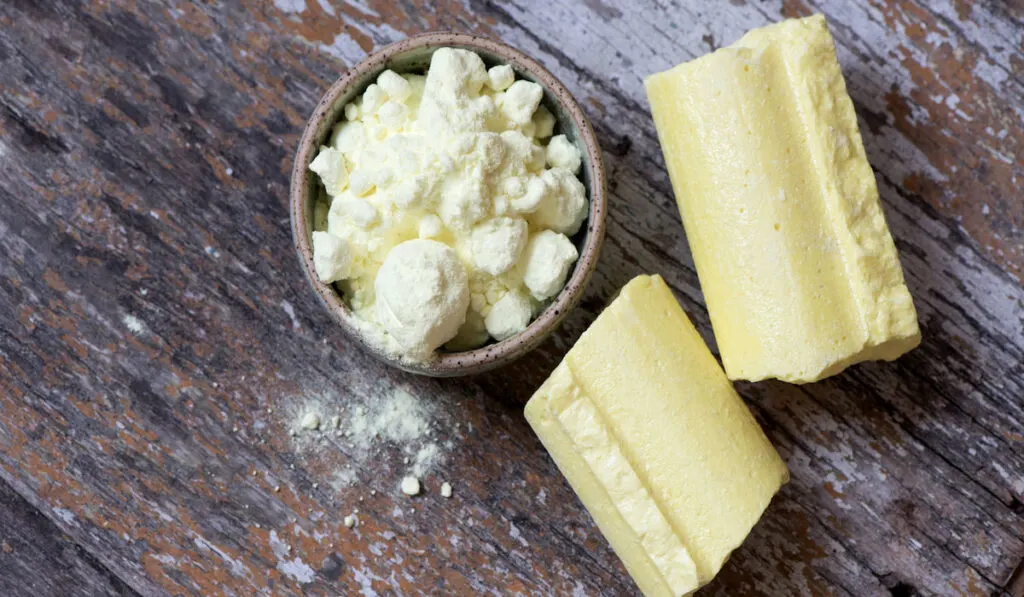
(446, 490)
(350, 521)
(410, 486)
(311, 421)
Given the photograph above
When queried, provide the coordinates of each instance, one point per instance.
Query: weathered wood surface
(144, 152)
(38, 559)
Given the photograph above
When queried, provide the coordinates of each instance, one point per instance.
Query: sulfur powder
(445, 196)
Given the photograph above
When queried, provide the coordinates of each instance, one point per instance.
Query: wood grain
(36, 558)
(156, 333)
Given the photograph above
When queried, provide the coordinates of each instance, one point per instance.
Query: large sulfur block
(656, 442)
(781, 210)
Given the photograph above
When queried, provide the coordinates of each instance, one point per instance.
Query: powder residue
(134, 324)
(342, 478)
(365, 427)
(426, 458)
(399, 418)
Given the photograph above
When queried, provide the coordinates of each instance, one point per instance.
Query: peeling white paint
(293, 568)
(325, 5)
(365, 579)
(237, 567)
(66, 516)
(344, 48)
(296, 569)
(516, 534)
(291, 6)
(290, 310)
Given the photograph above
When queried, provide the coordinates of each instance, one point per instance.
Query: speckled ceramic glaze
(413, 55)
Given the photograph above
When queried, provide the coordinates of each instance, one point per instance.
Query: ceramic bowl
(413, 55)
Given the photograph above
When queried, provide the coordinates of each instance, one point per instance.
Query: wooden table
(157, 337)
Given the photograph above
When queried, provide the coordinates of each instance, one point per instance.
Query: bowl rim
(493, 355)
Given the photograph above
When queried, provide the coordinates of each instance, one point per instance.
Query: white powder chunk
(501, 77)
(357, 211)
(409, 192)
(411, 486)
(430, 226)
(563, 153)
(332, 259)
(349, 138)
(472, 334)
(352, 111)
(543, 123)
(422, 295)
(498, 243)
(487, 150)
(455, 71)
(393, 114)
(564, 206)
(509, 316)
(373, 98)
(521, 101)
(375, 131)
(362, 181)
(461, 144)
(523, 150)
(547, 259)
(463, 202)
(451, 99)
(513, 187)
(394, 85)
(329, 164)
(535, 192)
(350, 521)
(446, 490)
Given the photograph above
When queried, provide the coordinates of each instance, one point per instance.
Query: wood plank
(151, 304)
(37, 559)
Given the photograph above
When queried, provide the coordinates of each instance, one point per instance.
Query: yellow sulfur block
(781, 210)
(655, 441)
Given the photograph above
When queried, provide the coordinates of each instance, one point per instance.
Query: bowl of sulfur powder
(448, 202)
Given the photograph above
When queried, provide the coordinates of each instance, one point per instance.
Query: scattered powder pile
(342, 478)
(365, 426)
